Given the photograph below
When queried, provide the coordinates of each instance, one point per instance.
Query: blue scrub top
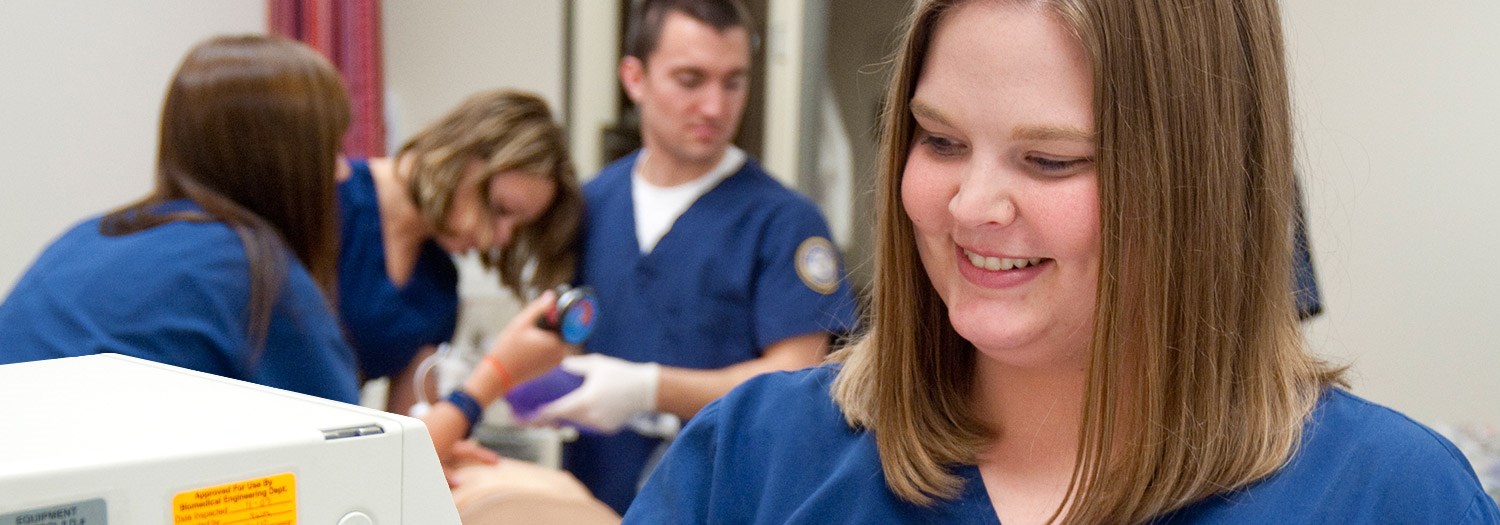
(177, 293)
(388, 324)
(777, 450)
(746, 266)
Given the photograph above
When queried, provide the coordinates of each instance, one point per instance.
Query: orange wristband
(505, 380)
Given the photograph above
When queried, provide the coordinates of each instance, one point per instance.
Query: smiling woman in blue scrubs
(1083, 309)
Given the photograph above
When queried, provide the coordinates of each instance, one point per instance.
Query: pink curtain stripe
(348, 33)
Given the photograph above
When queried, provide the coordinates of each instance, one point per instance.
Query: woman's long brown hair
(250, 133)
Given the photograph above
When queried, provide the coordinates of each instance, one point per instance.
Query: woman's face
(516, 199)
(1000, 183)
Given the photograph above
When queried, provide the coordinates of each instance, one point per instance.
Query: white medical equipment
(110, 439)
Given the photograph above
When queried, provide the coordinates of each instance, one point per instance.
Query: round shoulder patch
(818, 265)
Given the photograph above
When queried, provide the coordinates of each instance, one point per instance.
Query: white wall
(1398, 107)
(436, 54)
(80, 94)
(595, 106)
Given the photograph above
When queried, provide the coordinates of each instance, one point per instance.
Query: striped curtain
(348, 33)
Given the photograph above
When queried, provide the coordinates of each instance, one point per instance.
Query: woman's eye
(1049, 165)
(941, 146)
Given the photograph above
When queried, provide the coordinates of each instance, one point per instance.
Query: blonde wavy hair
(1194, 315)
(507, 130)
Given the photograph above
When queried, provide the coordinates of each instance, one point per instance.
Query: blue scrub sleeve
(1482, 511)
(802, 288)
(680, 488)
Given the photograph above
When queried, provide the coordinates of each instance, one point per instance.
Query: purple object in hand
(527, 397)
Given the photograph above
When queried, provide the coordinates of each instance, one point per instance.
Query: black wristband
(468, 405)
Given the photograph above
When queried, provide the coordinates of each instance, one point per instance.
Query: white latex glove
(656, 424)
(613, 391)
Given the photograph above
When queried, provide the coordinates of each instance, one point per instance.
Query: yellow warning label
(270, 500)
